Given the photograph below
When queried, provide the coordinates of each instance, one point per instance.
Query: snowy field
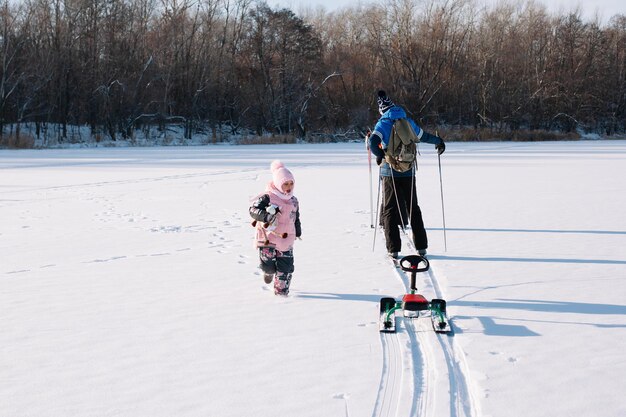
(129, 285)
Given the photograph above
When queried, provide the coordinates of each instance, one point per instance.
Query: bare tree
(121, 65)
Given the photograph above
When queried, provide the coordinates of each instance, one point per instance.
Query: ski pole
(443, 212)
(377, 206)
(369, 161)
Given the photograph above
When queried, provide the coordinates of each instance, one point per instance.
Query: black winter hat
(384, 102)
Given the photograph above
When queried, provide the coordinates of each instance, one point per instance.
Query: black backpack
(401, 150)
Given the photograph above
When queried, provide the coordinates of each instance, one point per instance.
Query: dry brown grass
(267, 140)
(12, 141)
(465, 134)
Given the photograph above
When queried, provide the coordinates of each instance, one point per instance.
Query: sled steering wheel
(411, 263)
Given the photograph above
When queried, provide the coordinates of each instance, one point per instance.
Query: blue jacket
(379, 139)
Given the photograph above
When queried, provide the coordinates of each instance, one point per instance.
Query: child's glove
(271, 210)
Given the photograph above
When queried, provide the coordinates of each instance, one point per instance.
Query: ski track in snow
(423, 374)
(462, 401)
(432, 357)
(389, 392)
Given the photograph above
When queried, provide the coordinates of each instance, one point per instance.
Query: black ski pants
(274, 261)
(396, 207)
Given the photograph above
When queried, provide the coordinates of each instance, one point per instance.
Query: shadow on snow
(530, 260)
(592, 232)
(546, 306)
(372, 298)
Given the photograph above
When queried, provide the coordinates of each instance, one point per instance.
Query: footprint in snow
(114, 258)
(166, 229)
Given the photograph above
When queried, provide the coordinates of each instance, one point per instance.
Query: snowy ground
(129, 287)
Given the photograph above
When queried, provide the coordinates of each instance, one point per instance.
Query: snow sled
(413, 303)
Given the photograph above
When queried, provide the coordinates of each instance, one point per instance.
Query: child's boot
(281, 283)
(268, 278)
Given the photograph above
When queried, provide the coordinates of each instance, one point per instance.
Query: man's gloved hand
(379, 160)
(441, 148)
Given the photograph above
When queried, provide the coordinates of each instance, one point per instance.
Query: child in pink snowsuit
(276, 216)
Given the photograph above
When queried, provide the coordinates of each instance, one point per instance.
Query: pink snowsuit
(286, 218)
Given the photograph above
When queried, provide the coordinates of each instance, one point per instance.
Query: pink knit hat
(280, 174)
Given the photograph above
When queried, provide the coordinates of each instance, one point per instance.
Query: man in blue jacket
(399, 193)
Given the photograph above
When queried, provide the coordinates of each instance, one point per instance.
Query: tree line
(233, 65)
